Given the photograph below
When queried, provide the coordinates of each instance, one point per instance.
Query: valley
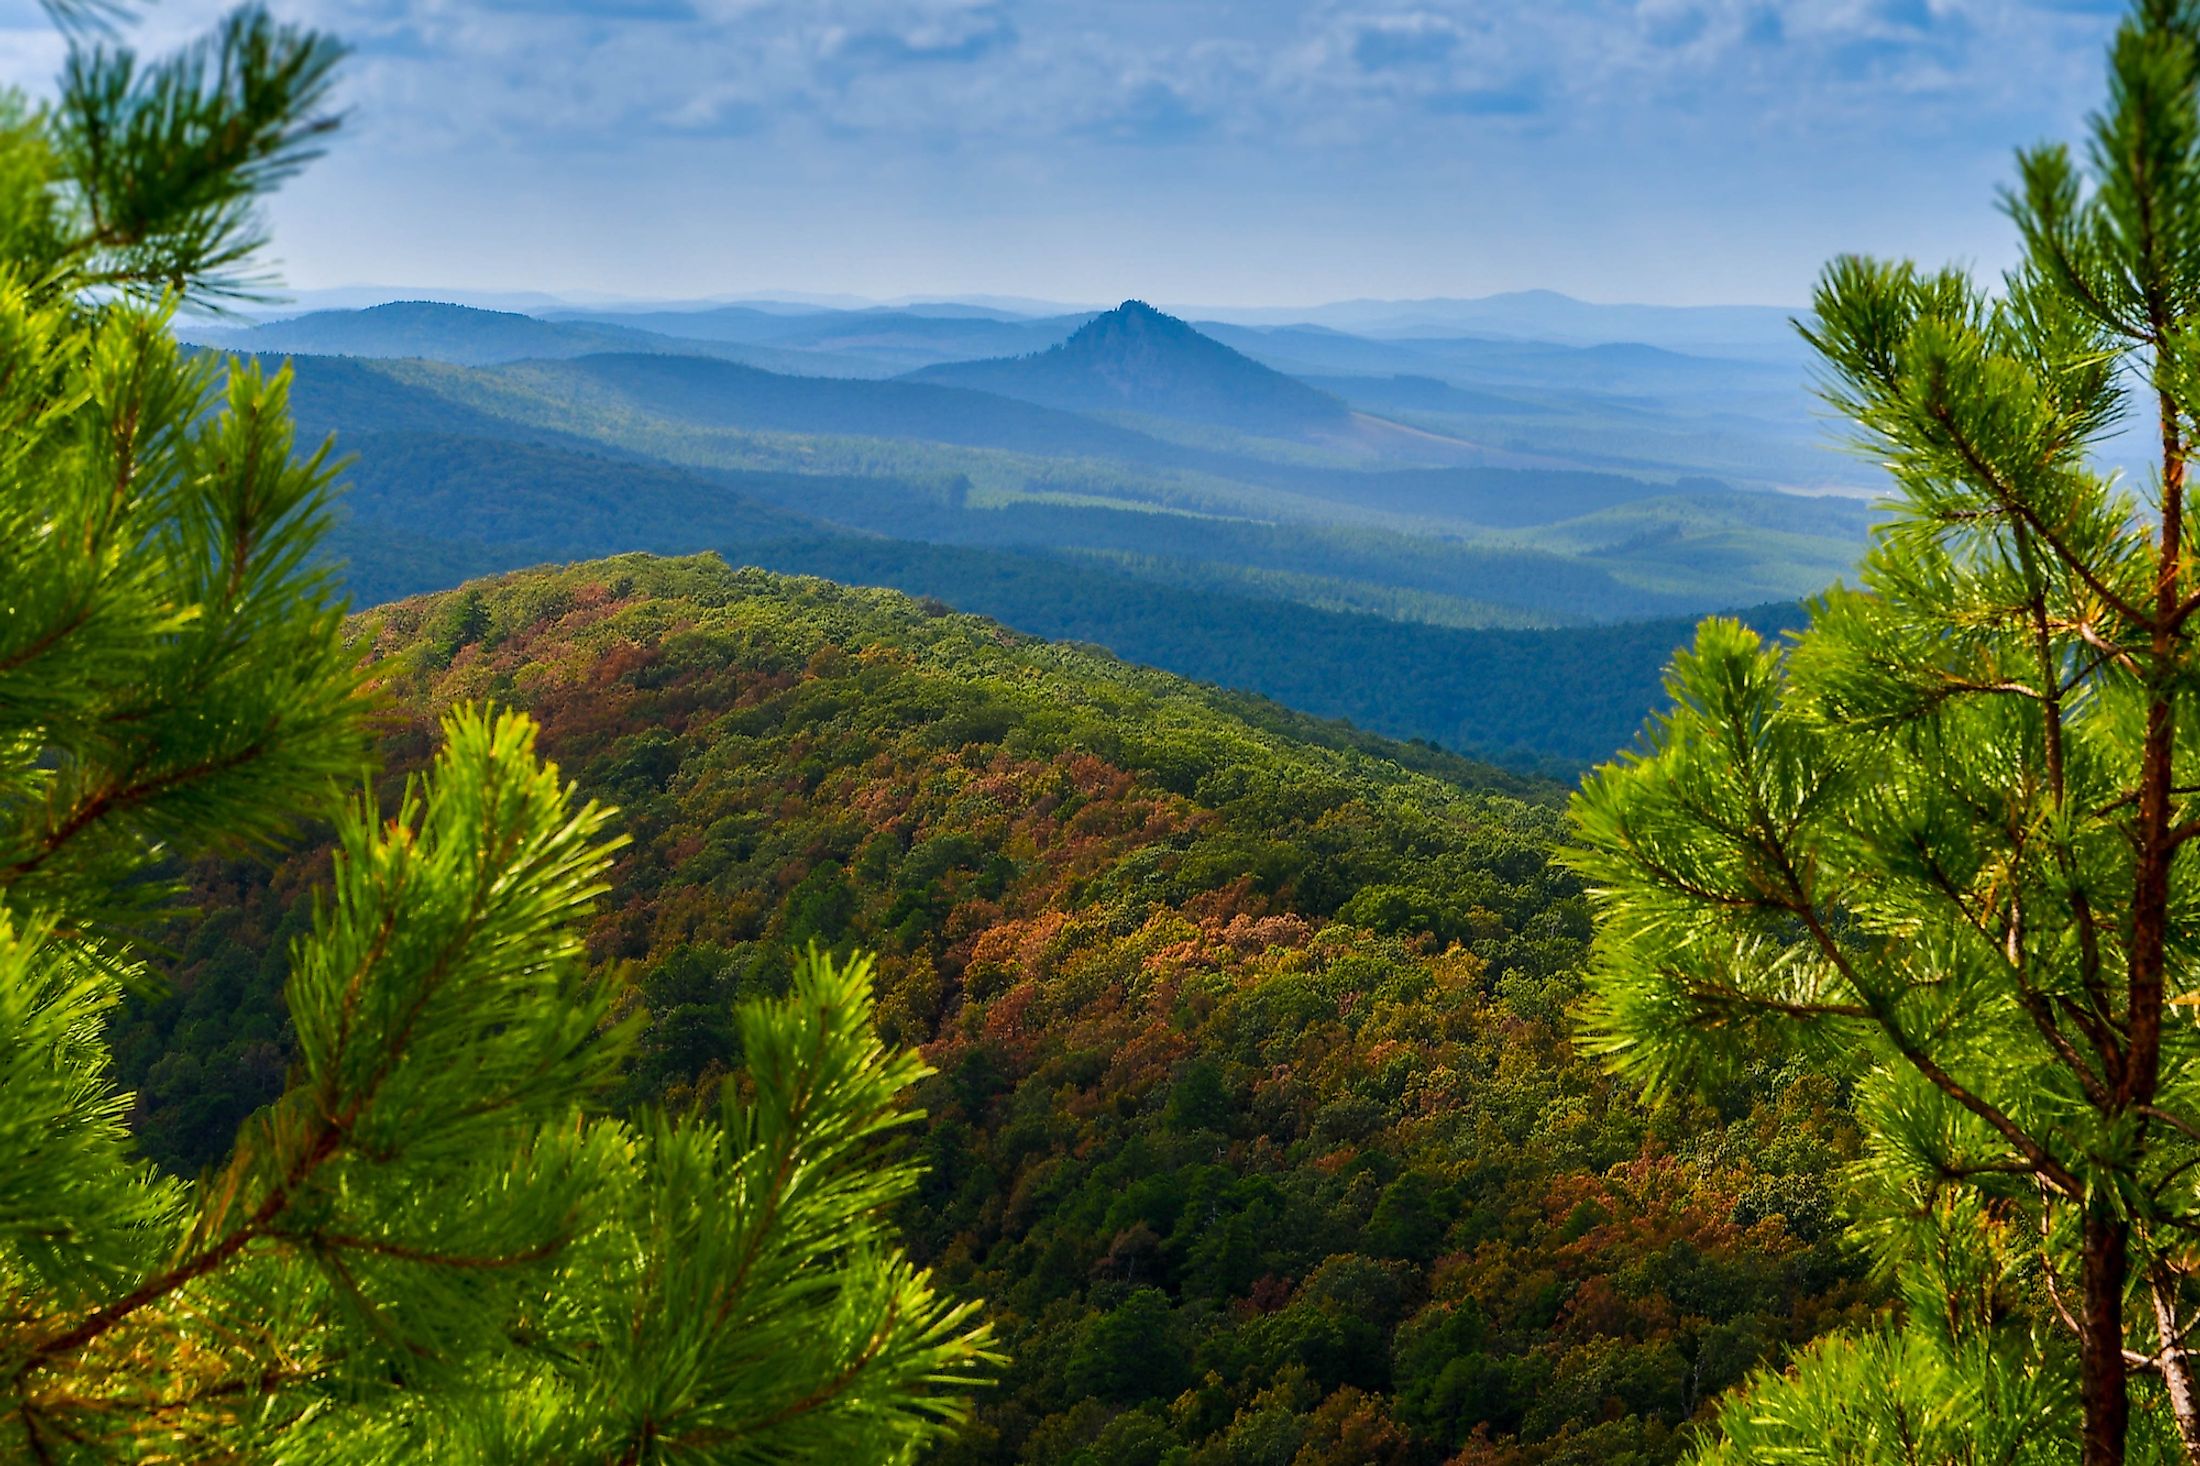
(1417, 551)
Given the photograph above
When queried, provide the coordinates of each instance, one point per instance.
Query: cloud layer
(983, 73)
(1034, 119)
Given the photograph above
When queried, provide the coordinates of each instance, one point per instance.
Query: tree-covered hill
(1554, 699)
(1255, 1122)
(421, 328)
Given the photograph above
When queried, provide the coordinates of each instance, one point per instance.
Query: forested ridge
(1255, 1122)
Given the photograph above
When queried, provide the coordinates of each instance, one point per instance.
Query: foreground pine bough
(1939, 843)
(425, 1249)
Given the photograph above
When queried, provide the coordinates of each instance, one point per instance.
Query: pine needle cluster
(430, 1248)
(1940, 839)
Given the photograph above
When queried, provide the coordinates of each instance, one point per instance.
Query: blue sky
(1222, 152)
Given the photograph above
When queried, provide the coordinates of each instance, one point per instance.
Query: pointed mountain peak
(1139, 359)
(1133, 318)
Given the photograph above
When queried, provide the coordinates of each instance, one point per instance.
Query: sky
(1221, 152)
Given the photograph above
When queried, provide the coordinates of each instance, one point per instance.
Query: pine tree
(1941, 838)
(429, 1248)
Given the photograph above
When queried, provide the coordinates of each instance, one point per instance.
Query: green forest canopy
(1255, 1121)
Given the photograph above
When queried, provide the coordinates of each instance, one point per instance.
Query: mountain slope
(1254, 1122)
(425, 510)
(572, 400)
(1135, 359)
(1552, 700)
(727, 395)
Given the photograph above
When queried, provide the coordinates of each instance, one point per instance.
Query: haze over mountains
(1536, 315)
(1607, 383)
(438, 331)
(1393, 524)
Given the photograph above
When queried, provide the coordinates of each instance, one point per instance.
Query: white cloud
(967, 122)
(433, 75)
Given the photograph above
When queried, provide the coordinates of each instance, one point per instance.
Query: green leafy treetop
(427, 1249)
(1942, 838)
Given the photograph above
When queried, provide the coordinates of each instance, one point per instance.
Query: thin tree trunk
(2177, 1373)
(2101, 1371)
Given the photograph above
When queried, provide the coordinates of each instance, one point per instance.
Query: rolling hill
(426, 512)
(1138, 485)
(716, 394)
(1000, 461)
(425, 509)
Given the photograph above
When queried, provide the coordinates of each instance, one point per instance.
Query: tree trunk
(2101, 1372)
(2184, 1399)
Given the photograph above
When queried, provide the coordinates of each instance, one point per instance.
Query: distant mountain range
(1488, 542)
(1542, 315)
(1753, 331)
(1136, 359)
(1612, 406)
(466, 336)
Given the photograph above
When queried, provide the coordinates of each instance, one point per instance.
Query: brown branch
(2042, 1162)
(2175, 1122)
(1992, 480)
(398, 1250)
(107, 803)
(46, 641)
(1736, 998)
(2176, 1364)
